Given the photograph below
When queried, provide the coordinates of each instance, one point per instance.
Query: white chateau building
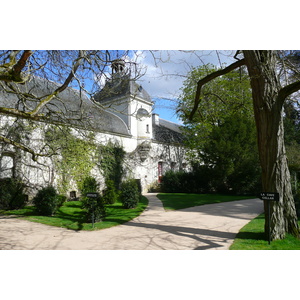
(120, 113)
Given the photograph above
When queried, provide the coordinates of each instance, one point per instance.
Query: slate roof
(76, 109)
(167, 132)
(70, 106)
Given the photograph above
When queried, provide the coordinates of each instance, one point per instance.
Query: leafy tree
(269, 94)
(223, 130)
(221, 99)
(231, 152)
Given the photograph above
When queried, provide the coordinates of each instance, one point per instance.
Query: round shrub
(46, 201)
(110, 194)
(130, 193)
(12, 194)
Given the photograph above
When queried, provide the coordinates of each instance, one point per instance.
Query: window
(7, 165)
(147, 129)
(173, 165)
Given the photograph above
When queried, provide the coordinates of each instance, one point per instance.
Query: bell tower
(118, 66)
(127, 99)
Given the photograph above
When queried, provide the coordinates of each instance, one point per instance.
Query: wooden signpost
(269, 196)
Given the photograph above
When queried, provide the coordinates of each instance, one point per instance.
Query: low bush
(130, 193)
(46, 201)
(171, 182)
(204, 179)
(12, 194)
(181, 182)
(110, 195)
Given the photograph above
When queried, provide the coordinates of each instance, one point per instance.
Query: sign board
(92, 195)
(269, 196)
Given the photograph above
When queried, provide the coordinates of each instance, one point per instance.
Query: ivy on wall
(76, 155)
(111, 160)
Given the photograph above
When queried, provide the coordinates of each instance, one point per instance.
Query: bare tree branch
(62, 87)
(18, 113)
(210, 77)
(18, 67)
(11, 71)
(20, 146)
(287, 91)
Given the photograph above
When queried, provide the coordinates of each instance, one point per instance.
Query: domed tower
(127, 99)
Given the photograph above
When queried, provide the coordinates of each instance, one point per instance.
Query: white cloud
(166, 70)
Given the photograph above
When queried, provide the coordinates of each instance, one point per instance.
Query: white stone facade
(152, 145)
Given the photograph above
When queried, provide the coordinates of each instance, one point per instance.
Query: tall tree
(222, 132)
(268, 96)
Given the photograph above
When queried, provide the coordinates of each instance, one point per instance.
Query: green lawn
(178, 201)
(72, 216)
(252, 237)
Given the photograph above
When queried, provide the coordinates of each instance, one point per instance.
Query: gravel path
(206, 227)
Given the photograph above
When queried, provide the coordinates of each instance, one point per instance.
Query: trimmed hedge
(204, 179)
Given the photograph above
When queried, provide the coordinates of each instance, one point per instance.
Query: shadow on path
(199, 235)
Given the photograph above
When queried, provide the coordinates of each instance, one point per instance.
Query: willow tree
(269, 93)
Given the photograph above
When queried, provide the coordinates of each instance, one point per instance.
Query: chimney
(155, 119)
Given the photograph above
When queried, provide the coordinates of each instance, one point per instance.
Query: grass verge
(252, 237)
(173, 201)
(71, 215)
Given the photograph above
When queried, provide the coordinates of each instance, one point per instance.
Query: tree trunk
(268, 110)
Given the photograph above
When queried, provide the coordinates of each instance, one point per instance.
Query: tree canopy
(222, 132)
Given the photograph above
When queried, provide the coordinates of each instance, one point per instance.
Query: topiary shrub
(110, 194)
(94, 207)
(130, 193)
(12, 194)
(46, 201)
(95, 210)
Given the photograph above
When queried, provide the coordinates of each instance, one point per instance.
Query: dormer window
(142, 113)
